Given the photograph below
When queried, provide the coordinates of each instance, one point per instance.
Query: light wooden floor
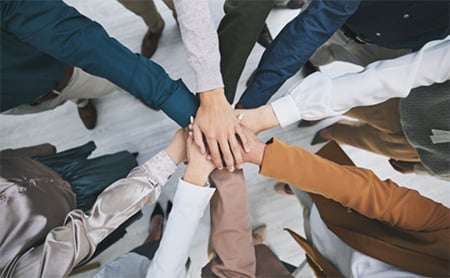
(125, 124)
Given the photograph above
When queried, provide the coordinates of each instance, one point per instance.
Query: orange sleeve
(357, 188)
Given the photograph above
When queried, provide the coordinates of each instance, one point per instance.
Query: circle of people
(361, 226)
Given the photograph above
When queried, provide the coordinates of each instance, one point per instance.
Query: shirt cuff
(160, 167)
(193, 196)
(286, 111)
(181, 104)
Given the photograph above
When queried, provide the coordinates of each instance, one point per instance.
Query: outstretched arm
(190, 201)
(63, 33)
(294, 45)
(215, 125)
(75, 242)
(320, 96)
(354, 187)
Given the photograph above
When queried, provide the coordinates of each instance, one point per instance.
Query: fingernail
(239, 166)
(191, 119)
(190, 126)
(209, 157)
(231, 169)
(220, 168)
(240, 117)
(247, 150)
(190, 133)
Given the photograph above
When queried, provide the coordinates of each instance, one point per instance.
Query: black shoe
(169, 208)
(318, 139)
(157, 211)
(265, 38)
(305, 123)
(250, 79)
(291, 4)
(308, 69)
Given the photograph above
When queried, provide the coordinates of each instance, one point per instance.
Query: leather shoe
(265, 38)
(308, 69)
(150, 43)
(283, 188)
(291, 4)
(317, 139)
(88, 115)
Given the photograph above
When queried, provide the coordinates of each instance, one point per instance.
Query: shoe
(305, 123)
(251, 78)
(265, 38)
(317, 139)
(88, 114)
(283, 188)
(308, 69)
(150, 43)
(169, 208)
(290, 4)
(155, 227)
(259, 234)
(295, 4)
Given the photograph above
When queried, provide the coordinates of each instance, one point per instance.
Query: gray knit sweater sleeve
(201, 42)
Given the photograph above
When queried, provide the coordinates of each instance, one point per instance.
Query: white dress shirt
(320, 96)
(189, 205)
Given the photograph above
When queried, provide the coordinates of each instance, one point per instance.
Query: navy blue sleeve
(62, 32)
(295, 44)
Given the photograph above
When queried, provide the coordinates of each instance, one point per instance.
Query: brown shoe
(88, 114)
(283, 188)
(150, 43)
(259, 235)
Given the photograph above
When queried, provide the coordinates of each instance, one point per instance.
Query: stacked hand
(217, 129)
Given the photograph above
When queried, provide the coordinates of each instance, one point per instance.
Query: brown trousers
(378, 130)
(148, 11)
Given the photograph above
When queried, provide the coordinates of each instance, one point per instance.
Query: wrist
(268, 118)
(195, 175)
(176, 155)
(212, 96)
(259, 153)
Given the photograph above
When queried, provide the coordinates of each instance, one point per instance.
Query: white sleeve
(320, 96)
(201, 42)
(189, 205)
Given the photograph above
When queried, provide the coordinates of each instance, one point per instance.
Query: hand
(216, 120)
(257, 148)
(177, 148)
(199, 167)
(258, 119)
(403, 167)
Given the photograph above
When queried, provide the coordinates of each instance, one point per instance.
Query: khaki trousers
(378, 130)
(341, 48)
(81, 86)
(149, 13)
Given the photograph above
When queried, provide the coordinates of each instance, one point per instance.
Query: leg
(238, 32)
(171, 6)
(379, 130)
(268, 264)
(147, 10)
(341, 48)
(230, 228)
